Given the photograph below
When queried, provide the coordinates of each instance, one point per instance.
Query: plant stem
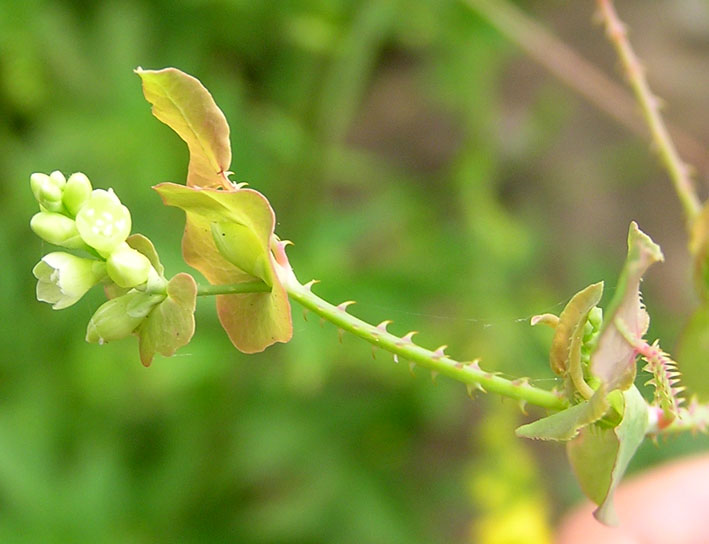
(235, 288)
(577, 72)
(403, 348)
(649, 104)
(694, 418)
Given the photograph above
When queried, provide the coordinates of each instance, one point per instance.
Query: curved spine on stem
(404, 348)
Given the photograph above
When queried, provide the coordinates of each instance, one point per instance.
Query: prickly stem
(405, 348)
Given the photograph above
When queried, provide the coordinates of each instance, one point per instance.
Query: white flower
(64, 278)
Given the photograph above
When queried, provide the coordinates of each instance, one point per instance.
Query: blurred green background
(424, 168)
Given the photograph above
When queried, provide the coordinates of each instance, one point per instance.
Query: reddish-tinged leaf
(253, 321)
(186, 106)
(613, 360)
(170, 325)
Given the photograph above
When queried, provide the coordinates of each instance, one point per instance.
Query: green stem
(236, 288)
(403, 348)
(649, 104)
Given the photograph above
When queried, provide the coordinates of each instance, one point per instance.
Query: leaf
(600, 455)
(693, 352)
(253, 321)
(571, 324)
(566, 424)
(186, 106)
(613, 360)
(145, 246)
(170, 324)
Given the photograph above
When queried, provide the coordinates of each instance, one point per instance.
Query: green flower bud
(58, 179)
(64, 278)
(76, 192)
(127, 267)
(103, 222)
(37, 181)
(56, 229)
(120, 316)
(47, 191)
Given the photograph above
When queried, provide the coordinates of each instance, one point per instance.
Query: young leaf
(186, 106)
(145, 246)
(613, 360)
(253, 321)
(600, 456)
(571, 324)
(170, 324)
(566, 424)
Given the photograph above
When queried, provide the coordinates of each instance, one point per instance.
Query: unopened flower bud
(76, 192)
(103, 222)
(127, 267)
(64, 278)
(56, 229)
(120, 316)
(47, 192)
(58, 179)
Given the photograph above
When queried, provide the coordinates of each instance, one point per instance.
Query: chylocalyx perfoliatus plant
(229, 237)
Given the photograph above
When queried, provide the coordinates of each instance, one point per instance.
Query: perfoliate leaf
(600, 455)
(613, 360)
(170, 324)
(571, 324)
(253, 321)
(186, 106)
(566, 424)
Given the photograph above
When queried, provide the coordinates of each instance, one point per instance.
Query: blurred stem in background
(591, 83)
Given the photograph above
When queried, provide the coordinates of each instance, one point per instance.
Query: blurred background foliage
(424, 167)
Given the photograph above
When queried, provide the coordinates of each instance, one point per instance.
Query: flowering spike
(343, 306)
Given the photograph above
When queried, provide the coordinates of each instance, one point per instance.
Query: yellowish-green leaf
(570, 325)
(186, 106)
(170, 324)
(253, 321)
(613, 360)
(566, 424)
(600, 455)
(145, 246)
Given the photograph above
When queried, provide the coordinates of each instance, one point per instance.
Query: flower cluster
(75, 216)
